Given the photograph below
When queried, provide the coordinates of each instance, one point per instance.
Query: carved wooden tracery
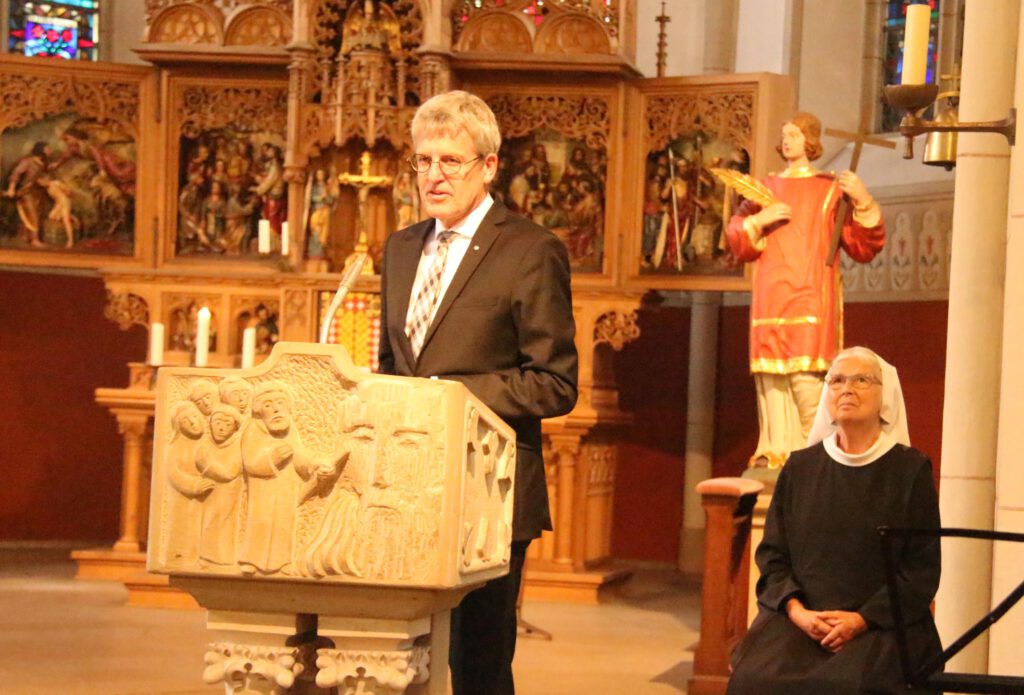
(28, 98)
(358, 87)
(727, 115)
(250, 108)
(578, 117)
(126, 310)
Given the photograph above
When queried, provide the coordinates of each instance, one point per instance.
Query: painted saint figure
(28, 192)
(796, 305)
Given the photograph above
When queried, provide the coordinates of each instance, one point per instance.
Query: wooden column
(728, 504)
(573, 562)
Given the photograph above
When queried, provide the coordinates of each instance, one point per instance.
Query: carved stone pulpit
(325, 515)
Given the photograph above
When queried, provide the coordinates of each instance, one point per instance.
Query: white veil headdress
(893, 413)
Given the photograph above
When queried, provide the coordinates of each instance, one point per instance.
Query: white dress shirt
(457, 248)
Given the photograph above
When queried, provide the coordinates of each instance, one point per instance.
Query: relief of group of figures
(685, 207)
(228, 181)
(249, 493)
(560, 184)
(68, 183)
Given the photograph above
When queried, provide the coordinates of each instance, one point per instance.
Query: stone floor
(58, 635)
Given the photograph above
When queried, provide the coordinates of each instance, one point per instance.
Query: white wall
(761, 36)
(127, 23)
(684, 46)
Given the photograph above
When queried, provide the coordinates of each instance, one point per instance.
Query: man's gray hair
(449, 112)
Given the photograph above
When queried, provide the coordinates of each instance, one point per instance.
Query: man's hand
(845, 626)
(810, 622)
(772, 215)
(281, 455)
(851, 185)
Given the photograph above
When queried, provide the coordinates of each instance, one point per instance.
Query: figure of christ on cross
(796, 302)
(363, 182)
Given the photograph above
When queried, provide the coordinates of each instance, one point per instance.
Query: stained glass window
(57, 29)
(892, 61)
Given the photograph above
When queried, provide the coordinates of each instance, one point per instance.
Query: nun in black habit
(825, 622)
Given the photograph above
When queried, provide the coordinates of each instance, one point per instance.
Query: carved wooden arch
(191, 23)
(258, 25)
(27, 98)
(573, 33)
(495, 31)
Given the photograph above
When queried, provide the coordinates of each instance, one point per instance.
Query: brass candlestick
(913, 99)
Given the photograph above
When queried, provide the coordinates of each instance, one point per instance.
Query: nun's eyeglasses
(860, 382)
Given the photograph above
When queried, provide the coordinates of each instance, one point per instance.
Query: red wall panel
(60, 452)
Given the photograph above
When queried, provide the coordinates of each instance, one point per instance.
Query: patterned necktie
(426, 299)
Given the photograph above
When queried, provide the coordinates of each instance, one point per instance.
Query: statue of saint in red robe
(796, 309)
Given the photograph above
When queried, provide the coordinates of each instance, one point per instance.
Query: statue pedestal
(328, 519)
(728, 504)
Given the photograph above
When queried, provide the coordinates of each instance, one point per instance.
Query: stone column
(973, 343)
(1004, 655)
(720, 21)
(700, 424)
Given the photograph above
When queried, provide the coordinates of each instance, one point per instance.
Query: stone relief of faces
(237, 393)
(273, 406)
(204, 394)
(187, 420)
(224, 422)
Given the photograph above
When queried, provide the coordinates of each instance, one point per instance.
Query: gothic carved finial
(617, 329)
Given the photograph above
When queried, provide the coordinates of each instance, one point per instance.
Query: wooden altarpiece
(281, 90)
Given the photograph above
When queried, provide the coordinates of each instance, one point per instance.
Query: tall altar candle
(248, 347)
(203, 337)
(915, 44)
(285, 241)
(156, 344)
(264, 236)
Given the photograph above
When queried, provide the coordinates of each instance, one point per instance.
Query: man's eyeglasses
(449, 164)
(857, 381)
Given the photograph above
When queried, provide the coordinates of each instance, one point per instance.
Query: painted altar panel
(558, 161)
(73, 137)
(681, 129)
(224, 169)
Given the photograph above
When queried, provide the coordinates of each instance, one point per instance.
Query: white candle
(248, 347)
(202, 337)
(156, 344)
(264, 236)
(284, 238)
(915, 44)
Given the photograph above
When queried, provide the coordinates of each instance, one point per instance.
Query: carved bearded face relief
(272, 408)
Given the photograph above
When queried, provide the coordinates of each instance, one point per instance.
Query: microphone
(348, 279)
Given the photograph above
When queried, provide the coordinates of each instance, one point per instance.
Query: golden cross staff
(859, 139)
(363, 182)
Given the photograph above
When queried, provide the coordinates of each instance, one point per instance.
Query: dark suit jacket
(504, 328)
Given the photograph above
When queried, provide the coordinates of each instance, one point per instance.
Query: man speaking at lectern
(478, 295)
